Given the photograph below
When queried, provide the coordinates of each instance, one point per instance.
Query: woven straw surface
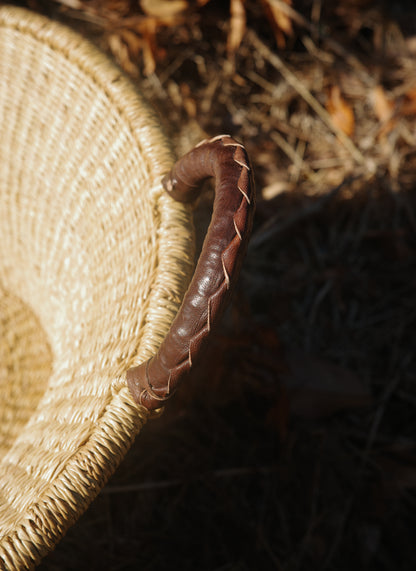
(94, 261)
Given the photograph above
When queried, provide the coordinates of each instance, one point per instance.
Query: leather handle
(154, 381)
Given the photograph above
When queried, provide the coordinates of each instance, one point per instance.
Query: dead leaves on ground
(389, 111)
(132, 28)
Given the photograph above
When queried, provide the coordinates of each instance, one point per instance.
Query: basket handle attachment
(154, 382)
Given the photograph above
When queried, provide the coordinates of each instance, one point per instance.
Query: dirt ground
(293, 447)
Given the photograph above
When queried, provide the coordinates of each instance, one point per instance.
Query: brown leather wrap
(154, 381)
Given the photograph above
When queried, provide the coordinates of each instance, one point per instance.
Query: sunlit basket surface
(94, 261)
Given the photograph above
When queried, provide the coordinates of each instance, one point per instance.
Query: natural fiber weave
(94, 261)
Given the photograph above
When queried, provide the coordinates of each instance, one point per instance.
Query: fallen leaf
(318, 388)
(280, 21)
(383, 106)
(163, 8)
(340, 111)
(74, 4)
(237, 25)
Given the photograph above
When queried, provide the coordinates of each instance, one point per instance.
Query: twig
(291, 78)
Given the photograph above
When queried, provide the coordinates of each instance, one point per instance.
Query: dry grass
(293, 446)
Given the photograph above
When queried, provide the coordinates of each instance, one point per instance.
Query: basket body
(94, 262)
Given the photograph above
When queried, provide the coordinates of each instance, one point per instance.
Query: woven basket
(95, 258)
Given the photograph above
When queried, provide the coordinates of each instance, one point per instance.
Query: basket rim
(33, 536)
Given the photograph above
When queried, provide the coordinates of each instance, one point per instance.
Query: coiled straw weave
(94, 261)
